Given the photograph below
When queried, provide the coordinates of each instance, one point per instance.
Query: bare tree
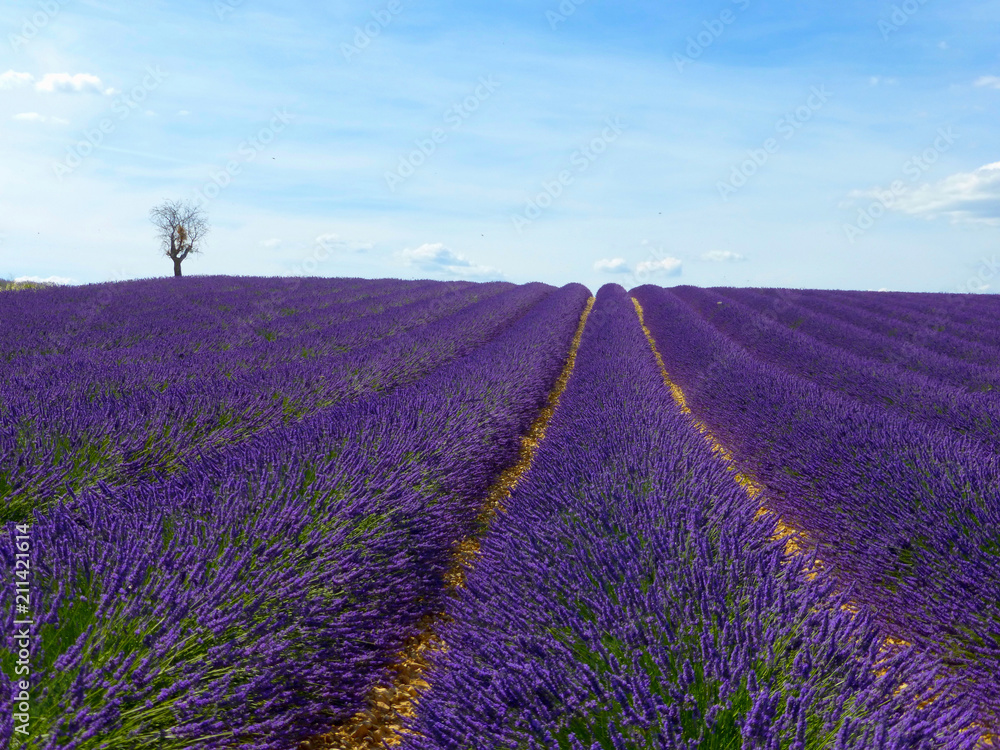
(181, 226)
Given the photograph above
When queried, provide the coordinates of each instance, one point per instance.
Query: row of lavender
(938, 401)
(630, 596)
(931, 345)
(938, 321)
(72, 357)
(104, 316)
(255, 597)
(900, 498)
(123, 407)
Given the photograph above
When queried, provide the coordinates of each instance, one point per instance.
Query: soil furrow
(389, 705)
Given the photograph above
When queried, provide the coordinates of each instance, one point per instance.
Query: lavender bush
(921, 397)
(927, 347)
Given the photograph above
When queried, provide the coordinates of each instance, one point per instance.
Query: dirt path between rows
(389, 705)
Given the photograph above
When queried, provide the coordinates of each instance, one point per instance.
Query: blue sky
(738, 142)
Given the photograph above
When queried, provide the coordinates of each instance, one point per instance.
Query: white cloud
(611, 265)
(722, 256)
(35, 117)
(12, 79)
(47, 280)
(271, 243)
(438, 258)
(333, 241)
(668, 266)
(183, 113)
(72, 84)
(963, 197)
(992, 82)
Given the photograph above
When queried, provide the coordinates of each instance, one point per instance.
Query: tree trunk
(177, 267)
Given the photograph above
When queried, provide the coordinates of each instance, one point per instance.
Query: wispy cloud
(722, 256)
(992, 82)
(612, 265)
(36, 117)
(334, 241)
(437, 258)
(12, 79)
(665, 266)
(66, 83)
(57, 83)
(962, 197)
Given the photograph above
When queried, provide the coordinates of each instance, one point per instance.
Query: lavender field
(344, 513)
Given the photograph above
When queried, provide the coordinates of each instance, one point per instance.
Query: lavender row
(161, 369)
(129, 315)
(263, 330)
(102, 316)
(379, 322)
(255, 600)
(630, 597)
(858, 376)
(923, 349)
(928, 346)
(965, 316)
(939, 321)
(903, 514)
(72, 436)
(240, 337)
